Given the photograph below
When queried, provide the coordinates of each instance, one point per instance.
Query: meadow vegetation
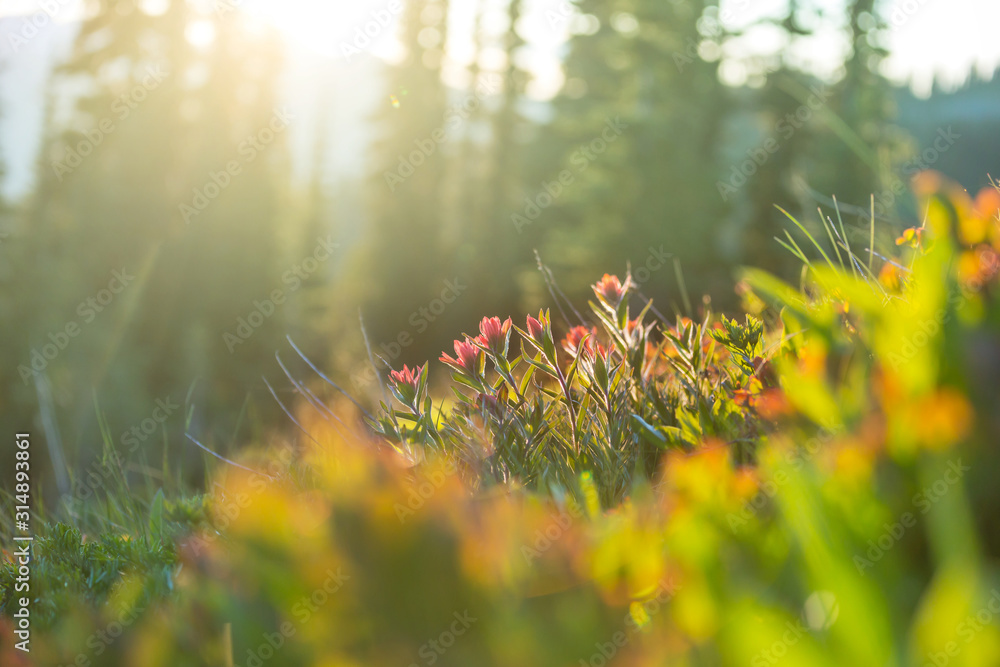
(808, 483)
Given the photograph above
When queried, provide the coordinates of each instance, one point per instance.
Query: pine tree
(409, 245)
(864, 153)
(636, 128)
(496, 251)
(153, 174)
(830, 139)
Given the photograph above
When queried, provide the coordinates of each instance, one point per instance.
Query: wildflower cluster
(611, 397)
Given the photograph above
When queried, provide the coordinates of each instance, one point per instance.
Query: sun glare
(331, 28)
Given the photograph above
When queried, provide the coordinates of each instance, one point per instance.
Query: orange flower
(912, 237)
(891, 277)
(988, 203)
(571, 343)
(772, 404)
(979, 266)
(744, 398)
(944, 419)
(611, 290)
(927, 183)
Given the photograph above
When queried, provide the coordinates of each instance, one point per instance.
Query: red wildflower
(571, 343)
(467, 356)
(611, 290)
(405, 385)
(493, 333)
(539, 334)
(536, 328)
(407, 377)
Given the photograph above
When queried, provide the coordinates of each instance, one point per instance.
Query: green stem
(569, 407)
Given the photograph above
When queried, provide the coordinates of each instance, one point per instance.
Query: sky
(927, 39)
(945, 38)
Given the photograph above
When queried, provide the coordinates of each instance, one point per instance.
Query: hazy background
(426, 141)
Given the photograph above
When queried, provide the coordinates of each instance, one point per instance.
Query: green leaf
(526, 378)
(650, 433)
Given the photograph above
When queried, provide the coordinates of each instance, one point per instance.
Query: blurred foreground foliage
(810, 485)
